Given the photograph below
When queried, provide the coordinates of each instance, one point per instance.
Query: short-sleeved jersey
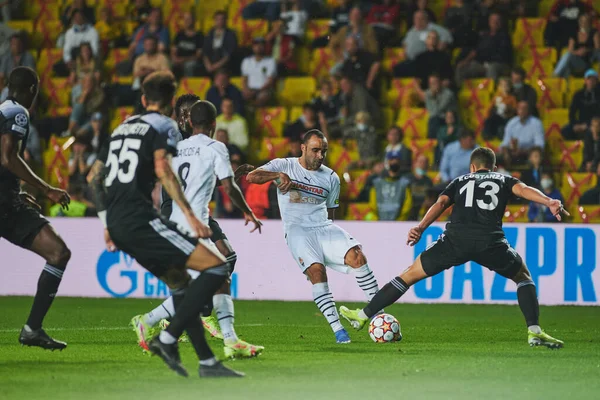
(312, 193)
(14, 120)
(200, 160)
(129, 159)
(479, 200)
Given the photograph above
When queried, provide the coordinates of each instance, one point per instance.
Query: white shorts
(325, 245)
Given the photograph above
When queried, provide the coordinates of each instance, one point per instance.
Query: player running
(138, 152)
(308, 196)
(200, 161)
(20, 220)
(474, 233)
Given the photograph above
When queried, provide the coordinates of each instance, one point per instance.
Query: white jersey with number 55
(200, 160)
(311, 194)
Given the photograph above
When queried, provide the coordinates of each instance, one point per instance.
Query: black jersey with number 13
(479, 200)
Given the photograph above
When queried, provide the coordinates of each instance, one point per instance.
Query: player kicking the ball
(474, 233)
(200, 161)
(308, 196)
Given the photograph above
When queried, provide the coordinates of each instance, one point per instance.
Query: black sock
(208, 309)
(197, 295)
(46, 291)
(528, 302)
(195, 331)
(387, 295)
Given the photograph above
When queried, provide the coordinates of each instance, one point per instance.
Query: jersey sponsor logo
(21, 119)
(307, 188)
(131, 129)
(337, 201)
(296, 197)
(19, 129)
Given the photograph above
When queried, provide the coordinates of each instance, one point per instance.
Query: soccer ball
(385, 328)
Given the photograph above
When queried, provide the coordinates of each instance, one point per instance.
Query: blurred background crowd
(403, 89)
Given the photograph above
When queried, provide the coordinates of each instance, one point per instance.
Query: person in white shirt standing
(308, 194)
(80, 32)
(259, 73)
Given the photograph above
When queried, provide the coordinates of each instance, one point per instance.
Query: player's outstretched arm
(434, 212)
(532, 194)
(237, 197)
(11, 160)
(260, 176)
(164, 172)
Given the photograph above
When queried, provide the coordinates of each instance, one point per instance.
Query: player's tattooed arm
(260, 176)
(237, 197)
(532, 194)
(11, 160)
(168, 180)
(95, 179)
(434, 212)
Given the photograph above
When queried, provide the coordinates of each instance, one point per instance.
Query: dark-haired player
(308, 196)
(138, 152)
(200, 162)
(20, 220)
(474, 233)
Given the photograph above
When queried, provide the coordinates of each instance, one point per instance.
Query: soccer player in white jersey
(200, 161)
(308, 196)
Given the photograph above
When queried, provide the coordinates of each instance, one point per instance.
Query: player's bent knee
(522, 275)
(316, 273)
(355, 258)
(176, 278)
(59, 257)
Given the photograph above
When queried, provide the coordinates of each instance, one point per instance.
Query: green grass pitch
(448, 352)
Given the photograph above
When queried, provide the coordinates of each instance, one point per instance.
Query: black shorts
(155, 242)
(217, 232)
(451, 250)
(20, 224)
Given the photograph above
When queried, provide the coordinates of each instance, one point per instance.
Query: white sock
(209, 362)
(535, 329)
(324, 301)
(163, 311)
(223, 304)
(366, 281)
(166, 337)
(362, 314)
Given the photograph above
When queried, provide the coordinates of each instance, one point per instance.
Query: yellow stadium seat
(48, 10)
(197, 86)
(356, 182)
(474, 118)
(236, 81)
(175, 9)
(360, 212)
(115, 56)
(529, 32)
(297, 90)
(391, 57)
(538, 69)
(545, 6)
(341, 155)
(26, 26)
(118, 8)
(273, 147)
(586, 215)
(295, 113)
(247, 30)
(302, 58)
(493, 144)
(130, 27)
(403, 93)
(537, 53)
(59, 111)
(119, 115)
(46, 33)
(554, 120)
(270, 120)
(321, 62)
(566, 155)
(423, 146)
(388, 116)
(575, 184)
(58, 91)
(575, 84)
(48, 57)
(316, 28)
(550, 91)
(413, 122)
(476, 93)
(516, 213)
(55, 159)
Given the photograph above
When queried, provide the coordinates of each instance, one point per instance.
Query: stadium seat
(492, 144)
(58, 91)
(545, 6)
(123, 80)
(174, 9)
(529, 32)
(388, 116)
(575, 184)
(316, 28)
(586, 215)
(538, 69)
(360, 212)
(516, 213)
(566, 155)
(302, 58)
(270, 120)
(115, 56)
(341, 155)
(118, 8)
(423, 146)
(403, 93)
(274, 147)
(554, 120)
(56, 161)
(413, 122)
(48, 10)
(476, 93)
(24, 25)
(550, 92)
(391, 57)
(59, 111)
(236, 81)
(297, 91)
(119, 115)
(321, 62)
(356, 182)
(246, 30)
(46, 33)
(197, 86)
(46, 60)
(295, 113)
(575, 84)
(474, 118)
(537, 54)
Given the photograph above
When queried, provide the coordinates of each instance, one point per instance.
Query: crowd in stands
(403, 89)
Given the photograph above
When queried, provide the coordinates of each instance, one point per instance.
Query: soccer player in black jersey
(474, 233)
(20, 220)
(138, 154)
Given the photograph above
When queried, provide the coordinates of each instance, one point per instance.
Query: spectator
(77, 5)
(219, 45)
(361, 66)
(376, 171)
(591, 146)
(235, 153)
(90, 100)
(259, 73)
(492, 56)
(523, 91)
(562, 21)
(18, 56)
(99, 133)
(541, 213)
(357, 28)
(153, 27)
(81, 161)
(262, 199)
(234, 124)
(5, 33)
(581, 52)
(282, 47)
(448, 132)
(432, 61)
(438, 100)
(503, 108)
(584, 106)
(339, 19)
(294, 18)
(140, 11)
(522, 133)
(110, 33)
(327, 106)
(85, 64)
(459, 21)
(307, 121)
(363, 132)
(418, 183)
(295, 148)
(223, 88)
(390, 196)
(592, 196)
(79, 206)
(384, 20)
(395, 146)
(533, 175)
(416, 6)
(150, 61)
(80, 32)
(186, 54)
(457, 155)
(355, 98)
